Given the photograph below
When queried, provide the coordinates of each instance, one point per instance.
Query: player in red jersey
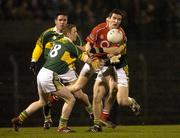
(98, 46)
(97, 43)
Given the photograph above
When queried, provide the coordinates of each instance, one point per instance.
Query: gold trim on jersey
(63, 40)
(49, 45)
(56, 81)
(125, 68)
(36, 53)
(67, 58)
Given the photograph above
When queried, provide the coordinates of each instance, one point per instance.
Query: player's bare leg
(108, 103)
(85, 100)
(123, 99)
(43, 98)
(17, 121)
(47, 112)
(83, 78)
(66, 110)
(98, 94)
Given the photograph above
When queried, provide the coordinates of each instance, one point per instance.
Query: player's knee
(79, 94)
(42, 103)
(72, 100)
(77, 87)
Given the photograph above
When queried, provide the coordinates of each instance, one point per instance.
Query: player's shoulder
(48, 31)
(101, 25)
(63, 40)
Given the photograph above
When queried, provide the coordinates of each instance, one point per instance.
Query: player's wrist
(96, 50)
(33, 60)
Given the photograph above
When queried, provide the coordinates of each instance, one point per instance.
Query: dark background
(153, 31)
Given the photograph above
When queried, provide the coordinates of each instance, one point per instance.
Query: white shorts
(86, 69)
(100, 73)
(122, 77)
(48, 81)
(68, 77)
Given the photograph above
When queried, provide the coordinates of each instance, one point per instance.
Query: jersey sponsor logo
(104, 43)
(54, 37)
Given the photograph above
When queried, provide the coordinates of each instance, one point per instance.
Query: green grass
(147, 131)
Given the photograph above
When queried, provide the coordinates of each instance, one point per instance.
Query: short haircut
(116, 11)
(68, 28)
(60, 13)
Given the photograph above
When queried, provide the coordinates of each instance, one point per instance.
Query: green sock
(63, 122)
(23, 116)
(97, 122)
(47, 111)
(89, 109)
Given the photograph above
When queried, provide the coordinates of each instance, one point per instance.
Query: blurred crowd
(163, 14)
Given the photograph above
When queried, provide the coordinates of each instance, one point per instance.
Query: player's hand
(112, 59)
(33, 67)
(96, 63)
(115, 59)
(96, 50)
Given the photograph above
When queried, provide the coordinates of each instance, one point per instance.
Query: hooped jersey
(98, 38)
(62, 55)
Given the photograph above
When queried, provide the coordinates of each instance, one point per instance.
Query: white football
(115, 36)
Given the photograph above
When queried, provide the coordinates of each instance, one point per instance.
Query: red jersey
(98, 36)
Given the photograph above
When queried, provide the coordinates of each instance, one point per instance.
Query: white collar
(55, 29)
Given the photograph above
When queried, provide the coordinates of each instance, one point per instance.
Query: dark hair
(61, 13)
(116, 11)
(68, 28)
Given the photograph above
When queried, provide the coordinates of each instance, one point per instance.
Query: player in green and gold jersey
(44, 42)
(42, 48)
(61, 56)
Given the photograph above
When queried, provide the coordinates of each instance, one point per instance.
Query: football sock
(89, 109)
(23, 116)
(131, 101)
(63, 122)
(104, 115)
(47, 111)
(97, 122)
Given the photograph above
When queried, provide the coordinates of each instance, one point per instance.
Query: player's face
(60, 22)
(73, 34)
(114, 21)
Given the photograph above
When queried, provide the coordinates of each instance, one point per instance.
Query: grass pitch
(146, 131)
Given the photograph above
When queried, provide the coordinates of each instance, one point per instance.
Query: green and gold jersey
(79, 41)
(44, 43)
(63, 54)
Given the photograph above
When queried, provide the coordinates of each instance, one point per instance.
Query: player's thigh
(69, 77)
(85, 74)
(122, 93)
(64, 93)
(45, 84)
(99, 89)
(78, 93)
(43, 97)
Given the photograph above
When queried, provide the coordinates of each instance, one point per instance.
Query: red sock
(52, 98)
(104, 115)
